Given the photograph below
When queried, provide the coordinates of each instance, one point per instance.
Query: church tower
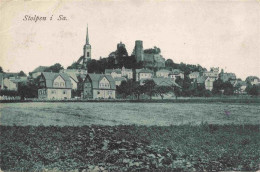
(87, 50)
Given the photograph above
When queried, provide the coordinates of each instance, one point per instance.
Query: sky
(223, 34)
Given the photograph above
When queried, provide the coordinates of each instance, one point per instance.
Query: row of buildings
(60, 85)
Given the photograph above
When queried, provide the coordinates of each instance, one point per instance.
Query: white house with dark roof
(117, 73)
(240, 87)
(143, 74)
(99, 86)
(119, 80)
(163, 73)
(209, 83)
(54, 86)
(194, 75)
(175, 73)
(127, 73)
(10, 85)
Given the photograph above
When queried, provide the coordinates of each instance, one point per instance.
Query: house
(99, 86)
(162, 73)
(37, 71)
(240, 87)
(10, 85)
(127, 73)
(209, 83)
(194, 75)
(11, 75)
(143, 74)
(74, 81)
(54, 86)
(116, 73)
(165, 82)
(119, 80)
(161, 82)
(227, 76)
(255, 81)
(74, 71)
(213, 73)
(201, 80)
(1, 81)
(176, 73)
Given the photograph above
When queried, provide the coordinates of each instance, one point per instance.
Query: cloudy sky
(210, 33)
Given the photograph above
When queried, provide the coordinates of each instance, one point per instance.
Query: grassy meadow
(129, 137)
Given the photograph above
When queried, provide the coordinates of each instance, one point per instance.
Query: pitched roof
(40, 69)
(201, 79)
(95, 78)
(164, 82)
(10, 74)
(163, 70)
(195, 73)
(143, 71)
(109, 71)
(73, 76)
(175, 72)
(50, 77)
(120, 79)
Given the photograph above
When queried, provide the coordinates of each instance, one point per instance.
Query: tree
(21, 74)
(126, 88)
(54, 68)
(75, 65)
(169, 64)
(217, 86)
(149, 87)
(254, 90)
(177, 91)
(138, 89)
(228, 88)
(28, 90)
(1, 70)
(162, 90)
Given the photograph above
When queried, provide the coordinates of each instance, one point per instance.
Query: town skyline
(221, 40)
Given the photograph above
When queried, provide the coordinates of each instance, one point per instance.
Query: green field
(129, 137)
(161, 114)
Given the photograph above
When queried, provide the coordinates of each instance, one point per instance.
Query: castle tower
(139, 54)
(87, 50)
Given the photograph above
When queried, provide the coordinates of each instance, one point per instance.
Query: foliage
(9, 93)
(217, 87)
(154, 50)
(130, 148)
(169, 63)
(162, 90)
(254, 90)
(130, 88)
(228, 88)
(250, 78)
(149, 87)
(54, 68)
(21, 74)
(186, 68)
(1, 70)
(75, 65)
(28, 89)
(125, 88)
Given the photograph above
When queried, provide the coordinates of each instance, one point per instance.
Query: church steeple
(87, 38)
(87, 50)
